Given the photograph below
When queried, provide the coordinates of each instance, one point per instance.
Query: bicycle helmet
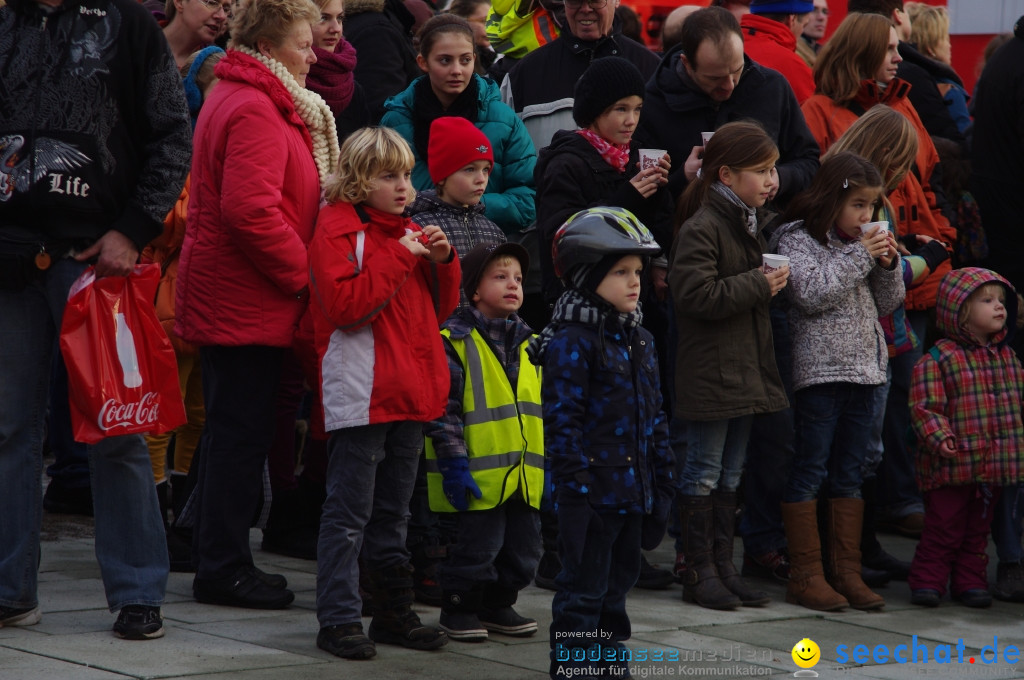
(593, 234)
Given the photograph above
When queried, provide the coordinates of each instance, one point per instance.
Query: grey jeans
(370, 476)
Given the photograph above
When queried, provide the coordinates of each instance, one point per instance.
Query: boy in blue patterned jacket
(605, 434)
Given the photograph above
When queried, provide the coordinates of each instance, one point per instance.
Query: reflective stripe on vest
(504, 434)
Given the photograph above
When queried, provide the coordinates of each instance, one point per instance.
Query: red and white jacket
(376, 313)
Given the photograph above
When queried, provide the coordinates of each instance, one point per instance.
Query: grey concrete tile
(182, 652)
(189, 611)
(290, 630)
(17, 665)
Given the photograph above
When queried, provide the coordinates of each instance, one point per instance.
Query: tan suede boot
(845, 518)
(807, 585)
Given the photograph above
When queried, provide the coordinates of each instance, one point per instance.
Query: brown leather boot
(724, 508)
(845, 517)
(807, 585)
(701, 583)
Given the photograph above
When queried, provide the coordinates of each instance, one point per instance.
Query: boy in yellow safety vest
(485, 456)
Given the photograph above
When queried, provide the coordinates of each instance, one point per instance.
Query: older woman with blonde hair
(263, 146)
(930, 32)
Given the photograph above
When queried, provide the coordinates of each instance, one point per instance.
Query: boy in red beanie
(460, 163)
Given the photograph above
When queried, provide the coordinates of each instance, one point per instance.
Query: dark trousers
(600, 563)
(954, 539)
(239, 384)
(500, 545)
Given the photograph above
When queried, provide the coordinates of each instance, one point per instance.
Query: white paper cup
(706, 137)
(870, 226)
(771, 262)
(649, 158)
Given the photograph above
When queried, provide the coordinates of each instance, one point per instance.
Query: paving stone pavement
(670, 638)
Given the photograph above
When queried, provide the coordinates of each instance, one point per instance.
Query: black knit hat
(605, 82)
(476, 260)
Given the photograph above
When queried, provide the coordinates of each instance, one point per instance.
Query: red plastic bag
(122, 373)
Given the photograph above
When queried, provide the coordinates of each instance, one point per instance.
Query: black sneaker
(346, 641)
(273, 580)
(652, 577)
(507, 621)
(245, 588)
(463, 626)
(139, 622)
(13, 616)
(1009, 582)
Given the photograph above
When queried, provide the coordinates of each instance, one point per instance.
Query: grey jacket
(837, 292)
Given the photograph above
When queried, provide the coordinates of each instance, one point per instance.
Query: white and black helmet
(593, 234)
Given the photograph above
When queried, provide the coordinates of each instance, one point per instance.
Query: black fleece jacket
(94, 129)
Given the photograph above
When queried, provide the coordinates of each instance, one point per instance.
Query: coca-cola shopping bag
(122, 374)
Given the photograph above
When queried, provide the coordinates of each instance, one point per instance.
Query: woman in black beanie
(598, 165)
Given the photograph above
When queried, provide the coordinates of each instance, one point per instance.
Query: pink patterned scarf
(615, 155)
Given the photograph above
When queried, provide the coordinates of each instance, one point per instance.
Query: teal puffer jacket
(509, 199)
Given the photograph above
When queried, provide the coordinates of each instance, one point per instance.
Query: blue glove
(458, 482)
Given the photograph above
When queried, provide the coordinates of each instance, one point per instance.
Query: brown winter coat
(725, 359)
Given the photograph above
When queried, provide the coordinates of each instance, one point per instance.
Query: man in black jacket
(539, 88)
(707, 82)
(997, 156)
(94, 149)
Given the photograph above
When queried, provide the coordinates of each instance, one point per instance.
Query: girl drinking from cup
(843, 278)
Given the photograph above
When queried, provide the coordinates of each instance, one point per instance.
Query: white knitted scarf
(313, 111)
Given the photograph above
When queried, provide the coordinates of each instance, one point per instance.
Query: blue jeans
(130, 544)
(500, 545)
(600, 563)
(715, 452)
(70, 468)
(833, 435)
(370, 476)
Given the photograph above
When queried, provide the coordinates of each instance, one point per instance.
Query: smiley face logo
(806, 653)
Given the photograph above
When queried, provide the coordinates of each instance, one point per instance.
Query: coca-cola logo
(117, 414)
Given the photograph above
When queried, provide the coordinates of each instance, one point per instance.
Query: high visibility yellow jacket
(503, 429)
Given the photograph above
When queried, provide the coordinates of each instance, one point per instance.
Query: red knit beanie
(454, 144)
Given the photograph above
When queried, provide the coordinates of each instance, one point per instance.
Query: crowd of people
(474, 297)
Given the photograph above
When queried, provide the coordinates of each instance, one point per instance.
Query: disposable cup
(870, 226)
(706, 137)
(771, 262)
(649, 158)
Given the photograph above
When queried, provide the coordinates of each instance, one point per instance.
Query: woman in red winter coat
(263, 144)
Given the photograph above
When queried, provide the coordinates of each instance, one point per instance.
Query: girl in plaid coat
(965, 404)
